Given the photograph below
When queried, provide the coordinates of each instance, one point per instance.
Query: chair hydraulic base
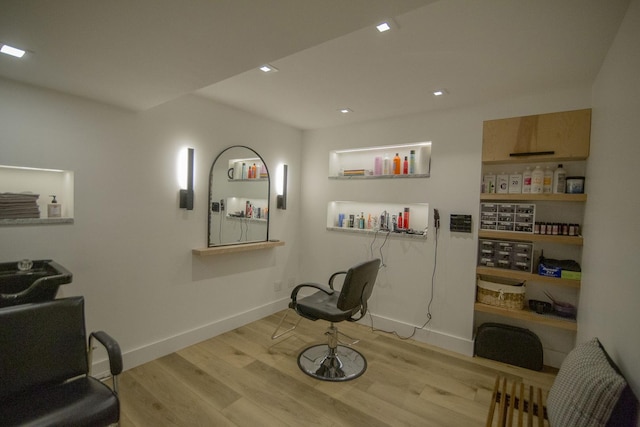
(332, 362)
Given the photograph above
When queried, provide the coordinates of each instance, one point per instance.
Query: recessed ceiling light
(345, 110)
(13, 51)
(383, 26)
(386, 25)
(267, 68)
(439, 92)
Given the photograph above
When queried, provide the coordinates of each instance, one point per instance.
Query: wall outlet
(277, 285)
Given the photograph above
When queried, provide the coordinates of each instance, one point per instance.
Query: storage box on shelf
(377, 162)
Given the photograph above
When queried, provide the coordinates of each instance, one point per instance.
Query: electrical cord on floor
(433, 275)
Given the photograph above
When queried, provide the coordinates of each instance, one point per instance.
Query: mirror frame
(211, 197)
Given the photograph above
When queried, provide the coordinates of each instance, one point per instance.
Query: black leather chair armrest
(294, 292)
(113, 350)
(333, 276)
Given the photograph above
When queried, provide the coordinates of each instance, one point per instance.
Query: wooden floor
(243, 378)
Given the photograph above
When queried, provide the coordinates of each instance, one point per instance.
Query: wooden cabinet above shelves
(561, 136)
(529, 316)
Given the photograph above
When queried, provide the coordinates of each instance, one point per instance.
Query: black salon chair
(334, 362)
(44, 367)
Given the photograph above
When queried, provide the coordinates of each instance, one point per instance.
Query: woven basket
(500, 292)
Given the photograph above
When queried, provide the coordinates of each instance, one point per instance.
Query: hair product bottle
(560, 180)
(526, 180)
(396, 165)
(547, 183)
(386, 165)
(503, 182)
(406, 218)
(537, 180)
(377, 165)
(412, 162)
(54, 209)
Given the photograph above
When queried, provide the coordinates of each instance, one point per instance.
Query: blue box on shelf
(549, 271)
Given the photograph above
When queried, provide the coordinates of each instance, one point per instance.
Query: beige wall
(130, 246)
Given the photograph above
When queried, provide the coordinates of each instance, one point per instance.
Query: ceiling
(140, 54)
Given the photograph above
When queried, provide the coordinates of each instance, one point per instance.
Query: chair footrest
(511, 400)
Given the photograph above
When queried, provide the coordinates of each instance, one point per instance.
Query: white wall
(130, 246)
(403, 288)
(611, 287)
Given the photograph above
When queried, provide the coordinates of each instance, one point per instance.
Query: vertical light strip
(281, 184)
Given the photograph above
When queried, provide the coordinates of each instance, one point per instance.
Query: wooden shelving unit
(529, 316)
(546, 138)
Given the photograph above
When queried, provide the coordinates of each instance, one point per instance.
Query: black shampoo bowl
(40, 282)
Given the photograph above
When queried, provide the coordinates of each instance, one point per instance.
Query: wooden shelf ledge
(526, 197)
(522, 275)
(240, 247)
(530, 316)
(530, 237)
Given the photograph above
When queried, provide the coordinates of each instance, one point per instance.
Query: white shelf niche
(364, 158)
(418, 216)
(44, 182)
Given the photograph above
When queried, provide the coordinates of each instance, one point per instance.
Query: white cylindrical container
(386, 165)
(377, 165)
(547, 180)
(559, 180)
(515, 183)
(537, 180)
(502, 183)
(526, 180)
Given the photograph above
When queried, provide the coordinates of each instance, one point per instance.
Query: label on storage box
(549, 271)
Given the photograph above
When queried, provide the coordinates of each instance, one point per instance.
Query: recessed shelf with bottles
(369, 162)
(44, 183)
(372, 212)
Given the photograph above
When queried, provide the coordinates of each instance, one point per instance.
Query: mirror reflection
(238, 198)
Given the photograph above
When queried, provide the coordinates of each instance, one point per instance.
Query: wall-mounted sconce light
(281, 187)
(186, 196)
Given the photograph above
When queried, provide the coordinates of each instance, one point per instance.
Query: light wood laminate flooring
(243, 378)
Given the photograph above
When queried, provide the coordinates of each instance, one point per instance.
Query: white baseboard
(152, 351)
(429, 336)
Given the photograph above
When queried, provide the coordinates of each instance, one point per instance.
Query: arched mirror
(238, 198)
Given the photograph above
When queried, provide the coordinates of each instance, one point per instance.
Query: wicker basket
(501, 292)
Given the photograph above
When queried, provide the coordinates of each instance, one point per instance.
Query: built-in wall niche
(377, 162)
(345, 216)
(41, 182)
